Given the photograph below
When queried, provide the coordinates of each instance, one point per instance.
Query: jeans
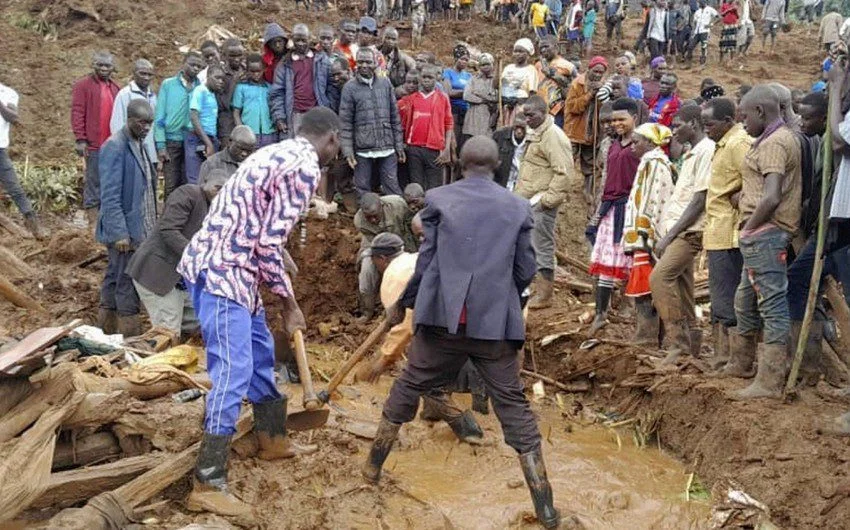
(193, 159)
(172, 311)
(91, 185)
(386, 168)
(174, 171)
(543, 236)
(836, 264)
(657, 48)
(724, 274)
(423, 168)
(117, 291)
(240, 357)
(10, 183)
(761, 299)
(672, 279)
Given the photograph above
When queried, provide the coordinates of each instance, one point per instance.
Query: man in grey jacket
(475, 261)
(370, 127)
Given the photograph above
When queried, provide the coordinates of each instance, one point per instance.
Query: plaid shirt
(240, 244)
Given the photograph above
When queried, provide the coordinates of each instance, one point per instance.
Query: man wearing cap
(465, 293)
(367, 37)
(652, 84)
(396, 268)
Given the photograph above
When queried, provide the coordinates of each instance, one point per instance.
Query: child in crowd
(251, 103)
(589, 26)
(538, 13)
(202, 140)
(573, 26)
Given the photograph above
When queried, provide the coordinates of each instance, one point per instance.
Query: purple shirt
(240, 242)
(621, 166)
(302, 84)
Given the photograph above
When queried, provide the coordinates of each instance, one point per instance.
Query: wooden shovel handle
(310, 400)
(358, 355)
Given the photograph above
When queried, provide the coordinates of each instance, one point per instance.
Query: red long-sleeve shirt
(88, 109)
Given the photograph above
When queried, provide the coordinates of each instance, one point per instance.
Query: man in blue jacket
(127, 216)
(476, 260)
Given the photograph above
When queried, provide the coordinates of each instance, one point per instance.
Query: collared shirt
(222, 160)
(693, 178)
(149, 203)
(702, 19)
(240, 245)
(7, 97)
(395, 214)
(119, 112)
(720, 231)
(393, 282)
(519, 151)
(205, 104)
(171, 119)
(776, 152)
(252, 100)
(658, 25)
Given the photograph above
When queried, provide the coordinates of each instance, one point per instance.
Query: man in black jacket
(370, 127)
(153, 267)
(511, 144)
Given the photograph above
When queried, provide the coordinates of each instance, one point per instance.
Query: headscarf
(460, 50)
(711, 92)
(485, 58)
(525, 44)
(631, 57)
(655, 133)
(598, 60)
(658, 61)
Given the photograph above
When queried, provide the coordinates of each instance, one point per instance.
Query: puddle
(482, 487)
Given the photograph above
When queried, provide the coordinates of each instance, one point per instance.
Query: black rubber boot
(481, 403)
(209, 492)
(270, 429)
(720, 336)
(466, 428)
(463, 424)
(648, 325)
(541, 491)
(811, 367)
(742, 355)
(381, 447)
(603, 300)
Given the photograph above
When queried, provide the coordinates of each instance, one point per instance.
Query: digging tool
(312, 417)
(356, 357)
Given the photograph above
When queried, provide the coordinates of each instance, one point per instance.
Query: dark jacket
(282, 91)
(122, 189)
(272, 31)
(85, 109)
(398, 65)
(334, 94)
(154, 264)
(669, 25)
(505, 142)
(368, 116)
(477, 255)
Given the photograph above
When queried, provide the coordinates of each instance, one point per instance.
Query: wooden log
(834, 370)
(86, 450)
(575, 263)
(576, 386)
(30, 409)
(841, 314)
(13, 228)
(14, 266)
(17, 297)
(70, 487)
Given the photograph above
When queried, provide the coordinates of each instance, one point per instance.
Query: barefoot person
(240, 246)
(486, 266)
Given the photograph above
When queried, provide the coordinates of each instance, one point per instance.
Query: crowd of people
(434, 151)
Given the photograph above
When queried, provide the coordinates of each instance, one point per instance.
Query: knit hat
(385, 244)
(658, 61)
(525, 44)
(631, 57)
(655, 133)
(596, 61)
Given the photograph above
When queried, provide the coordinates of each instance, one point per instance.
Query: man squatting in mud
(240, 246)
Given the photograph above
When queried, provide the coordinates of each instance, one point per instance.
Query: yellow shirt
(721, 218)
(393, 283)
(538, 15)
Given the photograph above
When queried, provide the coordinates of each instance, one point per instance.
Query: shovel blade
(307, 420)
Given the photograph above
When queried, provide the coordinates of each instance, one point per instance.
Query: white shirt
(7, 97)
(693, 178)
(658, 25)
(702, 19)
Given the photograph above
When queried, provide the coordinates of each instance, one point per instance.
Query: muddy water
(605, 484)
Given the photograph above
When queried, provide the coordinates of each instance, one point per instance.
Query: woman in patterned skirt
(729, 35)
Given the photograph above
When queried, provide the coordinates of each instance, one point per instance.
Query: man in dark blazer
(475, 262)
(127, 215)
(153, 267)
(511, 144)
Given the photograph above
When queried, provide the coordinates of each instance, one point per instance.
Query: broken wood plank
(577, 386)
(70, 487)
(575, 263)
(86, 450)
(13, 228)
(33, 344)
(10, 292)
(14, 266)
(91, 259)
(841, 314)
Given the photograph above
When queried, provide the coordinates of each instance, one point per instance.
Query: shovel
(313, 416)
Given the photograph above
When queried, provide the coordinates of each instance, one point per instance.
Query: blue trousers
(240, 357)
(193, 160)
(761, 300)
(9, 181)
(836, 264)
(387, 170)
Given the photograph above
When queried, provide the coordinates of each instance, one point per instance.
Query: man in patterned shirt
(240, 246)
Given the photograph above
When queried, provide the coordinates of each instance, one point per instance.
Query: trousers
(724, 274)
(836, 264)
(193, 159)
(172, 311)
(423, 168)
(10, 183)
(386, 168)
(543, 236)
(761, 299)
(174, 171)
(117, 291)
(434, 360)
(672, 279)
(91, 184)
(240, 357)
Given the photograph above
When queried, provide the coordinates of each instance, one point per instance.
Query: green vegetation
(51, 189)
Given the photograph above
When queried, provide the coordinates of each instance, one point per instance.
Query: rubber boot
(270, 428)
(541, 491)
(742, 355)
(810, 368)
(646, 333)
(366, 303)
(381, 447)
(462, 423)
(129, 325)
(679, 341)
(31, 223)
(720, 336)
(481, 403)
(696, 341)
(107, 321)
(770, 377)
(603, 299)
(209, 491)
(543, 294)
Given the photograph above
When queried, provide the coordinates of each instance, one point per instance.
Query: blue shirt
(458, 81)
(203, 101)
(655, 112)
(555, 9)
(171, 120)
(252, 100)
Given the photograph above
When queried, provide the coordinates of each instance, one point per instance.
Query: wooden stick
(576, 387)
(841, 313)
(17, 297)
(91, 259)
(14, 266)
(575, 263)
(13, 228)
(358, 355)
